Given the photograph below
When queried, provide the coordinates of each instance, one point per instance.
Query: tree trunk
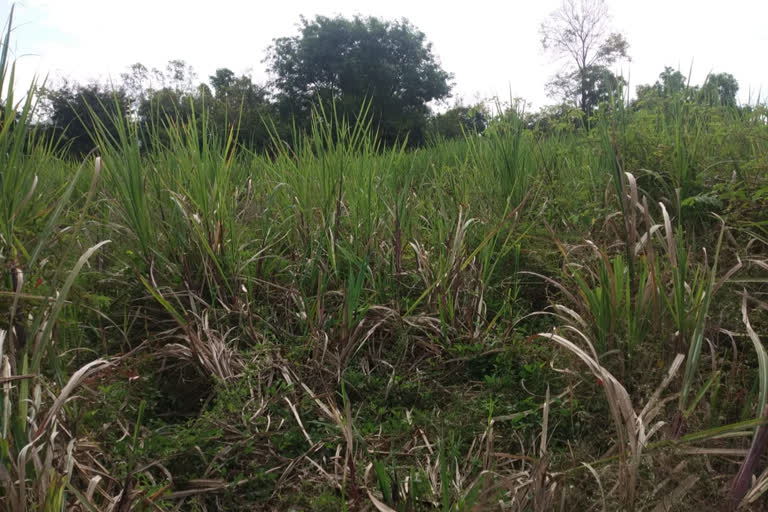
(583, 105)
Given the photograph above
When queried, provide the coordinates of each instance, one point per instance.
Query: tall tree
(164, 94)
(136, 84)
(671, 84)
(349, 60)
(578, 33)
(72, 109)
(459, 121)
(177, 75)
(241, 104)
(720, 89)
(222, 81)
(588, 88)
(141, 83)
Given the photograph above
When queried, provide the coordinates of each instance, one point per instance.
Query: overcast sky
(491, 47)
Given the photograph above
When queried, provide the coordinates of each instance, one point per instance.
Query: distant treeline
(339, 64)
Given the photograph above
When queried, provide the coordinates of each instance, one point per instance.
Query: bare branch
(578, 33)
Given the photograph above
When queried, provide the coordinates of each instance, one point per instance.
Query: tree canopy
(718, 89)
(240, 103)
(72, 109)
(459, 121)
(350, 60)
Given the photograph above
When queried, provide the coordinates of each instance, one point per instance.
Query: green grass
(544, 319)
